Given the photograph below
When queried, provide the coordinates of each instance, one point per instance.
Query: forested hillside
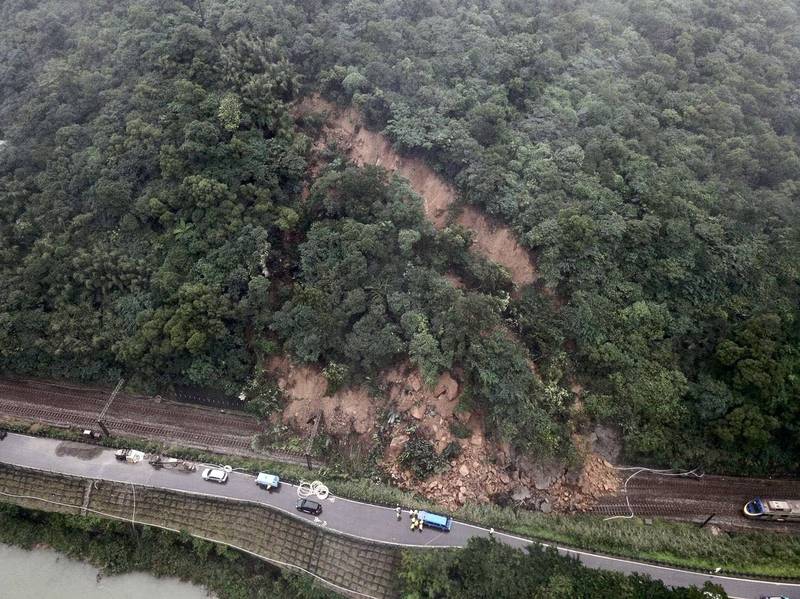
(647, 153)
(148, 174)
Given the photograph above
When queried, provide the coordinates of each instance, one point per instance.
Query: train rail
(138, 416)
(695, 499)
(647, 494)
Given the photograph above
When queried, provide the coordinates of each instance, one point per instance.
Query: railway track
(137, 416)
(695, 499)
(647, 494)
(124, 406)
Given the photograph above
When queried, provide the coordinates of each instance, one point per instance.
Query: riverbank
(117, 548)
(43, 573)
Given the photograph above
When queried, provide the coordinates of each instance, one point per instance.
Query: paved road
(353, 518)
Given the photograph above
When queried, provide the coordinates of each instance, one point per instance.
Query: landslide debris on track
(344, 129)
(482, 471)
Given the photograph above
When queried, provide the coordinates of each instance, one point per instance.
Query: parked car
(3, 434)
(215, 475)
(91, 435)
(268, 481)
(309, 507)
(132, 456)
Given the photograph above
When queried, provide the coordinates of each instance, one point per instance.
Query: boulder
(418, 412)
(573, 476)
(396, 447)
(542, 474)
(606, 441)
(463, 470)
(446, 386)
(521, 494)
(406, 401)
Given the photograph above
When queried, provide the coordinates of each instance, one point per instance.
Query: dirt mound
(482, 470)
(348, 411)
(471, 475)
(578, 490)
(344, 128)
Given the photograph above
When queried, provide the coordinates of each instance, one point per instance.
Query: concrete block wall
(364, 568)
(62, 494)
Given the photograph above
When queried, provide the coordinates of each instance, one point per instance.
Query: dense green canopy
(486, 568)
(144, 187)
(647, 153)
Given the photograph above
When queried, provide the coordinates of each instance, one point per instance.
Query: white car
(215, 475)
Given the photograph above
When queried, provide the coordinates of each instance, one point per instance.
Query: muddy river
(45, 574)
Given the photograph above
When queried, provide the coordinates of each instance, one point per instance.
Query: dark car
(2, 434)
(309, 507)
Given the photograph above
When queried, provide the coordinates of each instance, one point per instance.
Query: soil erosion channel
(345, 127)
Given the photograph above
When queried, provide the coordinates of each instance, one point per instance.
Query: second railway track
(138, 416)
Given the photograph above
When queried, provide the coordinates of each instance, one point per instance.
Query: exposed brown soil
(499, 244)
(482, 469)
(344, 128)
(346, 412)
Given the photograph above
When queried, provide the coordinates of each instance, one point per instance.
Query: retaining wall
(362, 568)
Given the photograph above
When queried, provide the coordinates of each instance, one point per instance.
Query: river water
(46, 574)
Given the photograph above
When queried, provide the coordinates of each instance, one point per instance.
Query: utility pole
(102, 414)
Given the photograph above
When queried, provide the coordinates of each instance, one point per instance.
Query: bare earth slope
(345, 128)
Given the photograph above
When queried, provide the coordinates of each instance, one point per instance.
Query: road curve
(354, 518)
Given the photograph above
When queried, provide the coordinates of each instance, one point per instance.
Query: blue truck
(443, 523)
(270, 482)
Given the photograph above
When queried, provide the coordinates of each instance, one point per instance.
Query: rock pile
(483, 470)
(577, 490)
(480, 470)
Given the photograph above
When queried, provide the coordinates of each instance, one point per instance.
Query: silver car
(215, 475)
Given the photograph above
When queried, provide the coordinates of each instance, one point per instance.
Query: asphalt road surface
(353, 518)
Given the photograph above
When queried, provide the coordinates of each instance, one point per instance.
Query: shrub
(336, 375)
(452, 451)
(420, 457)
(460, 430)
